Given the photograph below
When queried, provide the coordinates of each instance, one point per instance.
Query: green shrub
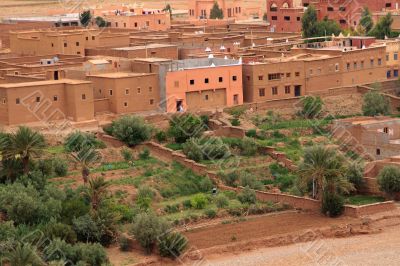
(205, 119)
(230, 179)
(210, 213)
(73, 208)
(59, 250)
(124, 243)
(145, 154)
(235, 122)
(146, 191)
(247, 196)
(60, 167)
(193, 150)
(127, 154)
(389, 180)
(147, 228)
(211, 148)
(252, 133)
(184, 127)
(221, 201)
(45, 166)
(248, 147)
(172, 208)
(77, 141)
(161, 136)
(199, 201)
(172, 244)
(187, 204)
(235, 208)
(355, 175)
(312, 106)
(332, 205)
(237, 111)
(375, 104)
(86, 229)
(132, 130)
(61, 231)
(248, 180)
(90, 254)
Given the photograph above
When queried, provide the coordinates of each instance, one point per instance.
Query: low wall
(230, 132)
(358, 211)
(110, 140)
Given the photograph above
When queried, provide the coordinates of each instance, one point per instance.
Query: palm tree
(23, 254)
(86, 157)
(24, 144)
(96, 191)
(325, 169)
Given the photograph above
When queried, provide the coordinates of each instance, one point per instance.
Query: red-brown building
(285, 15)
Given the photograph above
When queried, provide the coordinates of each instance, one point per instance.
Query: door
(297, 90)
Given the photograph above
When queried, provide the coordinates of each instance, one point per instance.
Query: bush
(61, 231)
(86, 229)
(184, 127)
(248, 180)
(187, 204)
(248, 147)
(230, 179)
(145, 191)
(145, 154)
(161, 136)
(221, 201)
(252, 133)
(172, 208)
(355, 175)
(90, 254)
(127, 154)
(147, 228)
(172, 244)
(237, 111)
(247, 196)
(210, 213)
(389, 180)
(235, 122)
(193, 150)
(73, 208)
(60, 167)
(132, 130)
(205, 119)
(312, 106)
(332, 205)
(124, 243)
(375, 104)
(77, 141)
(235, 208)
(199, 201)
(211, 148)
(45, 166)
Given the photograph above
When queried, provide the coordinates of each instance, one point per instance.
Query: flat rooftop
(43, 83)
(363, 120)
(117, 75)
(141, 47)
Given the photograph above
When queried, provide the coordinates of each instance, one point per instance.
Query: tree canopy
(366, 20)
(314, 28)
(85, 17)
(216, 12)
(383, 27)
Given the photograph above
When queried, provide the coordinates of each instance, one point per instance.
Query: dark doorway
(55, 75)
(297, 90)
(179, 107)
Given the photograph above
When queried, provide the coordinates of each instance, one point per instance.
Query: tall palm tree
(96, 191)
(325, 169)
(86, 157)
(24, 144)
(23, 254)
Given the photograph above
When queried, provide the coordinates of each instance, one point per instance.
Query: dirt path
(375, 249)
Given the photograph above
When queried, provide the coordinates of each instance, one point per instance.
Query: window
(192, 82)
(83, 96)
(176, 84)
(147, 23)
(206, 80)
(52, 44)
(298, 18)
(248, 78)
(336, 67)
(110, 92)
(355, 65)
(288, 75)
(286, 18)
(126, 91)
(65, 44)
(93, 38)
(138, 90)
(396, 72)
(38, 99)
(348, 66)
(3, 100)
(342, 8)
(297, 74)
(387, 57)
(87, 38)
(125, 104)
(206, 97)
(379, 61)
(330, 8)
(77, 43)
(395, 56)
(388, 5)
(55, 98)
(234, 78)
(274, 18)
(151, 101)
(261, 92)
(287, 89)
(124, 25)
(274, 76)
(378, 151)
(260, 77)
(342, 21)
(386, 130)
(159, 21)
(371, 62)
(17, 101)
(274, 90)
(135, 24)
(220, 79)
(362, 64)
(310, 71)
(150, 89)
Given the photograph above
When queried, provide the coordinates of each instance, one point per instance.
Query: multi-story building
(311, 68)
(392, 57)
(238, 9)
(285, 15)
(46, 101)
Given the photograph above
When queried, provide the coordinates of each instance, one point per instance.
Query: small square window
(287, 89)
(150, 89)
(83, 96)
(261, 92)
(126, 91)
(138, 90)
(55, 98)
(220, 79)
(206, 97)
(192, 82)
(125, 104)
(110, 92)
(93, 38)
(38, 99)
(274, 90)
(151, 101)
(234, 78)
(17, 101)
(52, 44)
(288, 75)
(260, 77)
(206, 80)
(378, 151)
(77, 43)
(297, 74)
(87, 38)
(65, 44)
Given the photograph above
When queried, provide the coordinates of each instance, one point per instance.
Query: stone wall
(358, 211)
(230, 132)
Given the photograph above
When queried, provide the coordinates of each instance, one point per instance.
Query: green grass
(298, 123)
(56, 149)
(112, 166)
(363, 199)
(174, 146)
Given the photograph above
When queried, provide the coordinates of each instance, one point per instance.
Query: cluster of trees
(382, 29)
(314, 28)
(86, 18)
(216, 12)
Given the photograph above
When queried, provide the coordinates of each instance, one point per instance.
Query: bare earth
(376, 249)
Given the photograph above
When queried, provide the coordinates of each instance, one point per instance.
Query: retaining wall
(358, 211)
